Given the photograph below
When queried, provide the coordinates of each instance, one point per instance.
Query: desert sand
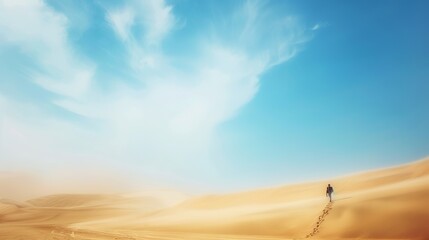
(391, 203)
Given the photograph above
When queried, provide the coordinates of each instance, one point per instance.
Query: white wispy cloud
(41, 33)
(122, 21)
(171, 121)
(315, 27)
(142, 26)
(154, 16)
(319, 25)
(157, 17)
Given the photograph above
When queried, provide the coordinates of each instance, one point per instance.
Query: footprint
(321, 218)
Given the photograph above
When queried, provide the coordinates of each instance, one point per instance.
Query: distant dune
(389, 203)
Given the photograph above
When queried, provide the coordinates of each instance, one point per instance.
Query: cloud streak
(41, 33)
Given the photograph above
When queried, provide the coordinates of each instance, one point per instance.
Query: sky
(209, 95)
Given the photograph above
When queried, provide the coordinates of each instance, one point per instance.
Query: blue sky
(217, 95)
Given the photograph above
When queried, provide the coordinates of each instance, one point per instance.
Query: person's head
(329, 185)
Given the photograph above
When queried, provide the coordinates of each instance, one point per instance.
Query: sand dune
(389, 203)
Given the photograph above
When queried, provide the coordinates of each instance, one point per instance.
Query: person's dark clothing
(329, 191)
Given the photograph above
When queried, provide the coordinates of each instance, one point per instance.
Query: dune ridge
(388, 203)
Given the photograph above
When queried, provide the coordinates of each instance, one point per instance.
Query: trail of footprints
(325, 212)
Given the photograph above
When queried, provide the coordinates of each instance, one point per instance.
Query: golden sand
(391, 203)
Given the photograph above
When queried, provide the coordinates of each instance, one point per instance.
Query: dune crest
(386, 203)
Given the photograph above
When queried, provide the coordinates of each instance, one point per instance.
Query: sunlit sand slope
(386, 203)
(389, 203)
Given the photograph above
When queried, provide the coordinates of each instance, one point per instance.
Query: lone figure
(329, 191)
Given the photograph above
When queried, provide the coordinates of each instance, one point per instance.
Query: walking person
(329, 191)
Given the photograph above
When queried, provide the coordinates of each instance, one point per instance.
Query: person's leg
(330, 197)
